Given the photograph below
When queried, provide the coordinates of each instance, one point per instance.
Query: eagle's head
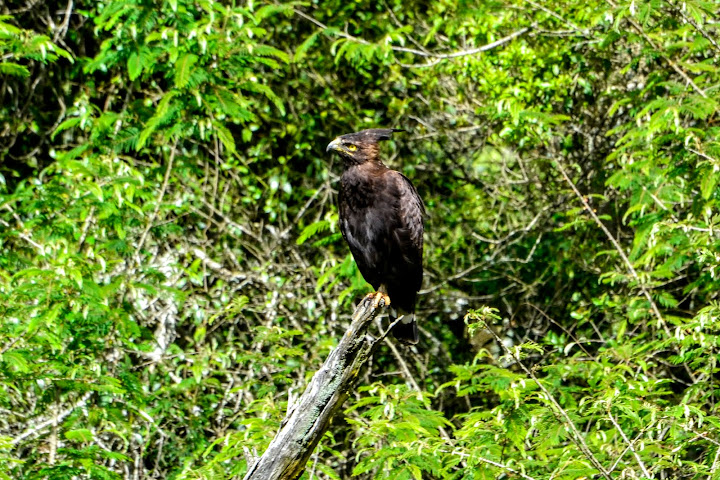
(360, 147)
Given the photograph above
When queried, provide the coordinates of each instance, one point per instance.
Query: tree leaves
(183, 69)
(145, 306)
(9, 68)
(134, 65)
(81, 435)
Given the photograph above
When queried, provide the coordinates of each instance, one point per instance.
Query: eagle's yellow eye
(351, 147)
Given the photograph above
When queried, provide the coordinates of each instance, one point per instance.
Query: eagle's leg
(377, 299)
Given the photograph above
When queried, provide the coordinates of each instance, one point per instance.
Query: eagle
(381, 219)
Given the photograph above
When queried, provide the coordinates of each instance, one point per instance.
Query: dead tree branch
(310, 416)
(423, 53)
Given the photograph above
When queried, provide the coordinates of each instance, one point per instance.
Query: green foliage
(171, 274)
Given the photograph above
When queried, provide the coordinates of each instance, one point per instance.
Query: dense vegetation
(171, 273)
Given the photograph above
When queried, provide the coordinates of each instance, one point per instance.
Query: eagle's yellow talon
(377, 299)
(385, 299)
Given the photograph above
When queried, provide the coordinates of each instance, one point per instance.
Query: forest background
(171, 272)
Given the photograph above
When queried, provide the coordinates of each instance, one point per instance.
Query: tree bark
(310, 416)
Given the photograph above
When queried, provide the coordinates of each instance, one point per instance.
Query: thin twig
(158, 202)
(637, 437)
(577, 341)
(504, 467)
(403, 366)
(563, 20)
(53, 418)
(672, 64)
(11, 344)
(408, 375)
(421, 53)
(463, 53)
(630, 446)
(86, 227)
(21, 228)
(618, 248)
(493, 463)
(704, 155)
(692, 22)
(64, 26)
(53, 435)
(714, 464)
(576, 436)
(315, 462)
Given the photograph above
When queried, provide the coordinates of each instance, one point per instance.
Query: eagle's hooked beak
(334, 145)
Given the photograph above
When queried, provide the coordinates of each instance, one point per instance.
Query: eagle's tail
(406, 330)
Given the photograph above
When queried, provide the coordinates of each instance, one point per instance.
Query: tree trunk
(310, 416)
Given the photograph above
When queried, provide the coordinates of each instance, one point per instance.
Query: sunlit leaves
(183, 69)
(175, 277)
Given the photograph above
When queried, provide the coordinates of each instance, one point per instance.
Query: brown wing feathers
(381, 218)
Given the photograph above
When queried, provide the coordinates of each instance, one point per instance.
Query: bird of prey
(381, 218)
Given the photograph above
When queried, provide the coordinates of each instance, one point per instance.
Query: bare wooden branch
(463, 53)
(310, 416)
(423, 53)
